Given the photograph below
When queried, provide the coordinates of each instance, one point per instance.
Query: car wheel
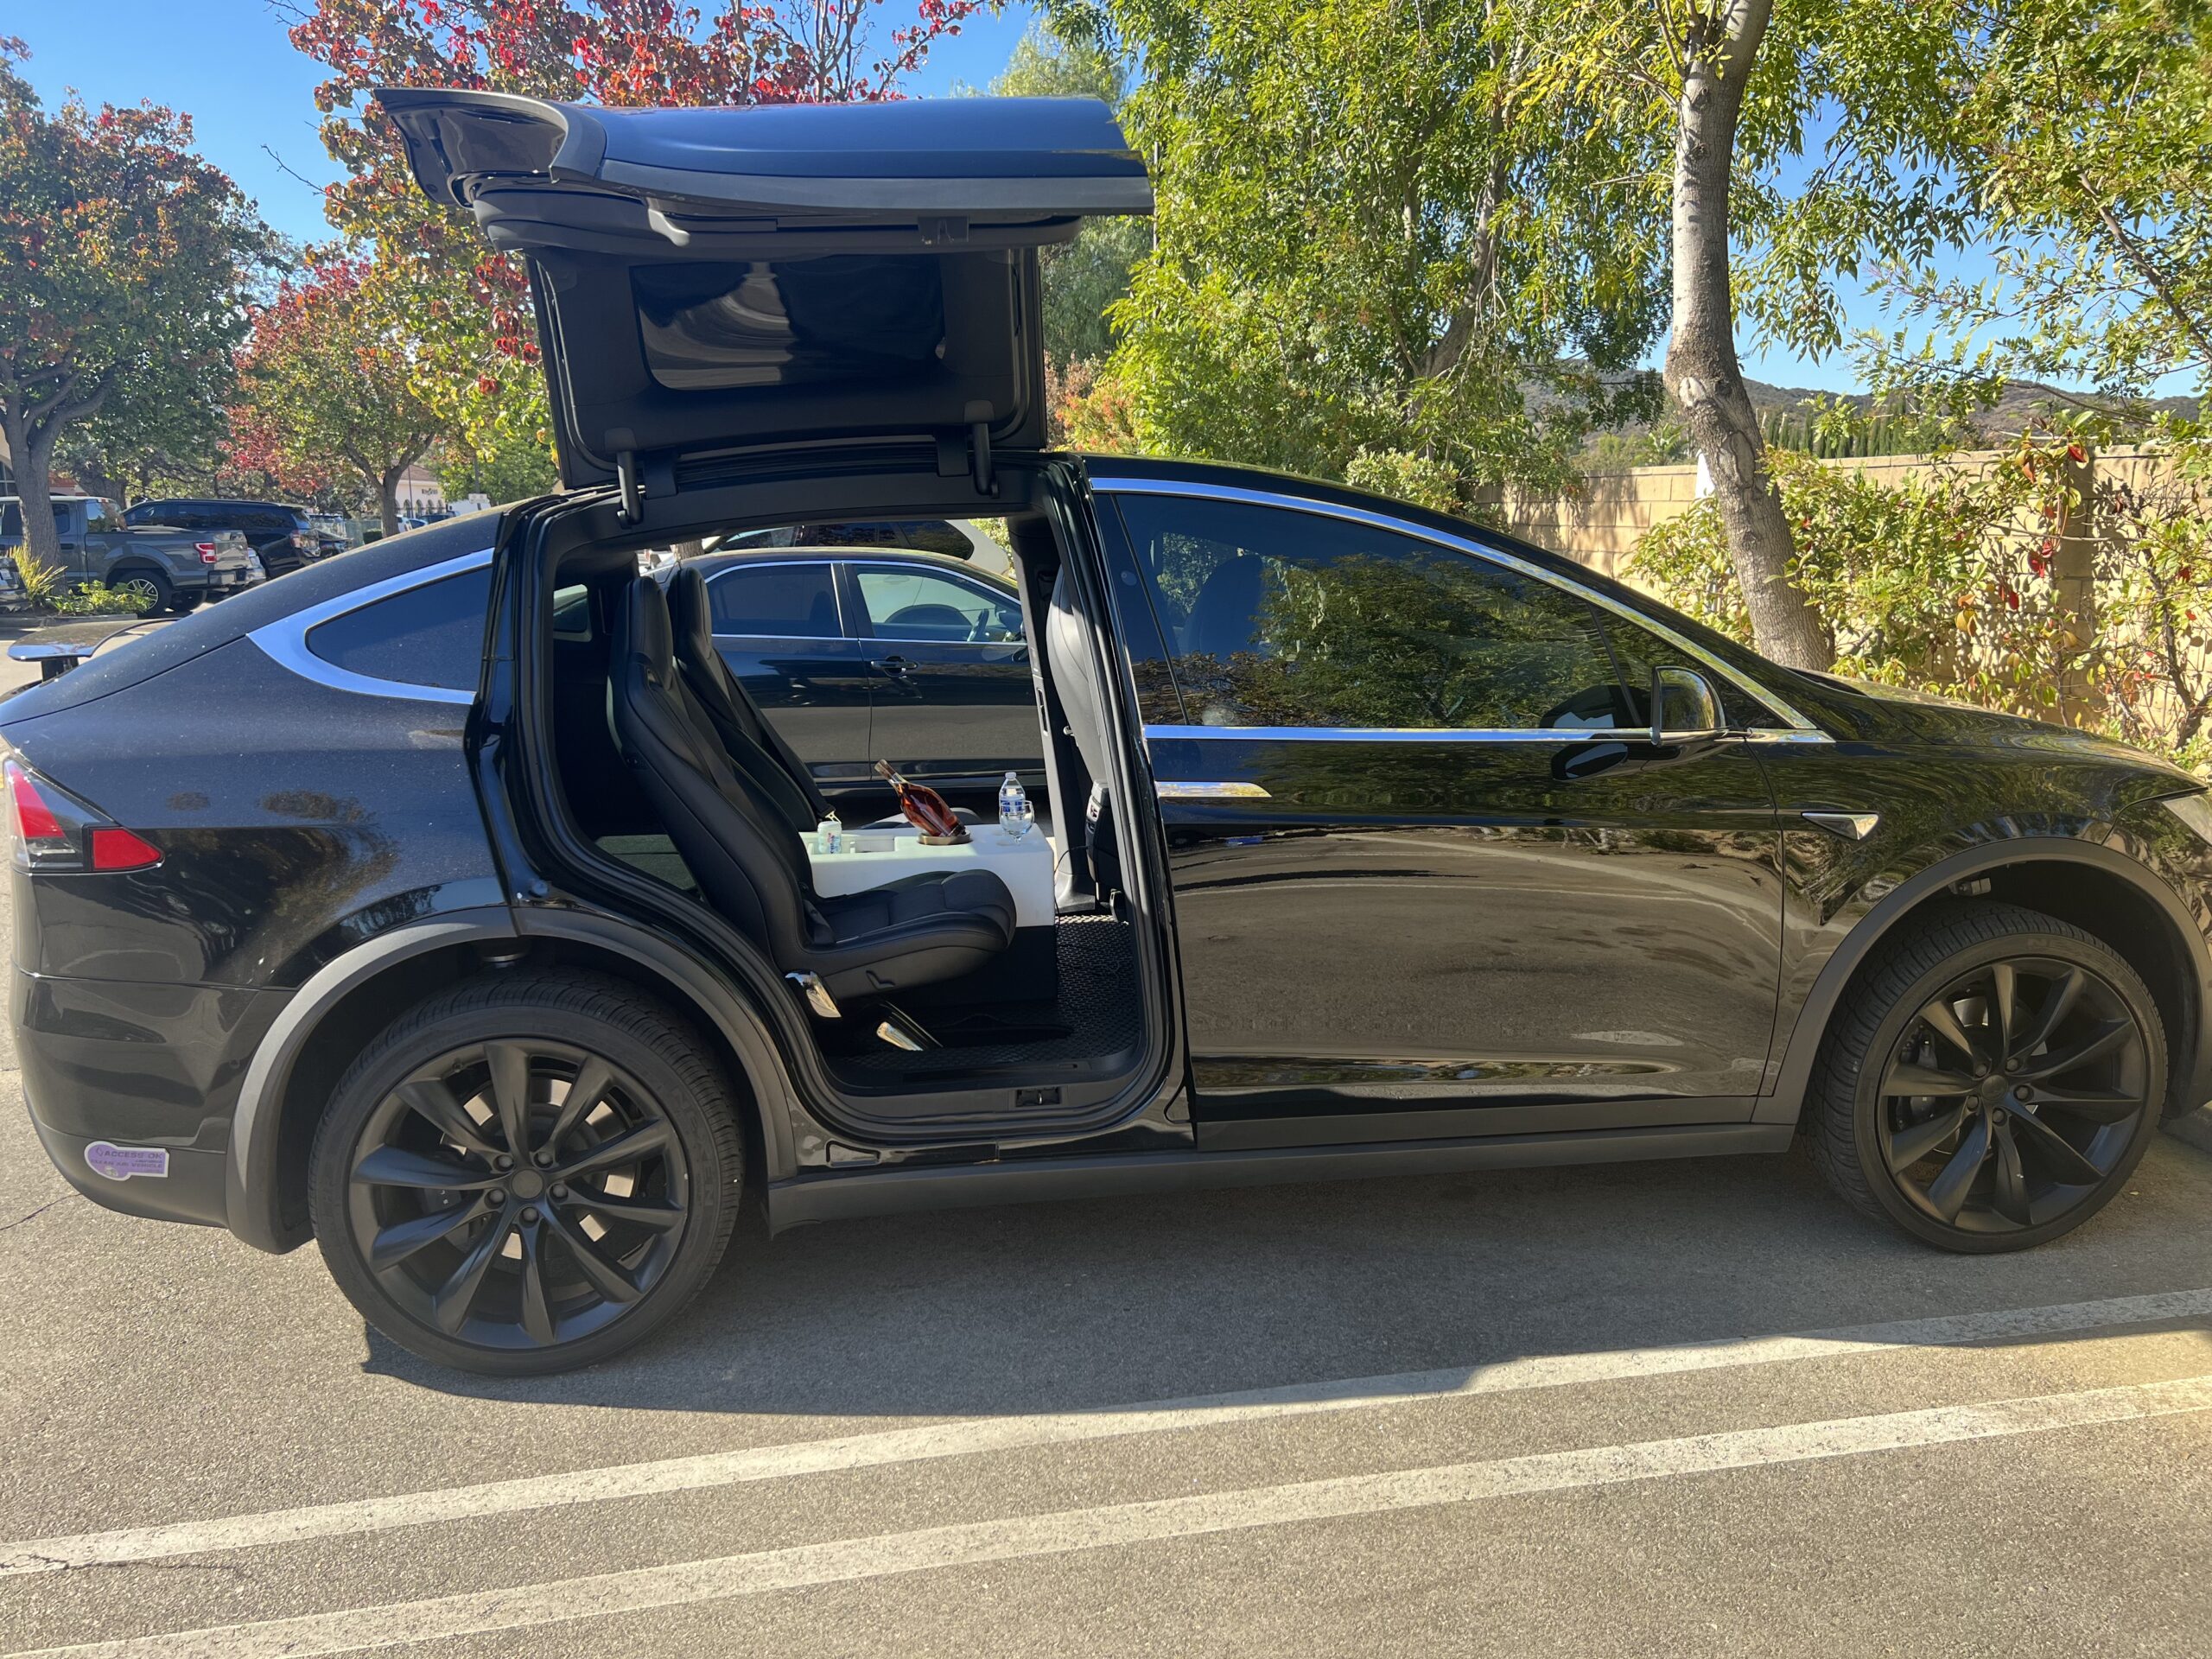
(527, 1172)
(1992, 1077)
(151, 588)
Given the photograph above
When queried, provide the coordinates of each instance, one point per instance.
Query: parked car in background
(284, 537)
(332, 531)
(166, 567)
(856, 655)
(954, 537)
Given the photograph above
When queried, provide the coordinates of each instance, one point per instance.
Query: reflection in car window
(791, 601)
(903, 603)
(1279, 617)
(430, 635)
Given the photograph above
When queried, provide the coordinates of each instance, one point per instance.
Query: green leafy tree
(2086, 137)
(1372, 240)
(506, 467)
(125, 263)
(1785, 147)
(330, 389)
(1085, 278)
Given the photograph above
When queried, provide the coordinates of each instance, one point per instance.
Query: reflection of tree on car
(1330, 636)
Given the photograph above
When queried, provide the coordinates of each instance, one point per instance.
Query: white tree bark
(1718, 50)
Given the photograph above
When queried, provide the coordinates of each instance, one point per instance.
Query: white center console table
(879, 857)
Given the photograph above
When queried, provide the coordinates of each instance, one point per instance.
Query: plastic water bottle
(1015, 814)
(829, 835)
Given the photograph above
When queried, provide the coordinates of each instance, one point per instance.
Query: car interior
(1000, 963)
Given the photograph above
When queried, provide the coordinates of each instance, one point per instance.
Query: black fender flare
(252, 1197)
(1787, 1098)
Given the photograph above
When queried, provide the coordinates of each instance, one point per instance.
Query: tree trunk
(30, 455)
(388, 499)
(1701, 372)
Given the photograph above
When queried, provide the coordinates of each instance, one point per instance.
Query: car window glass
(793, 600)
(572, 611)
(430, 635)
(1279, 617)
(905, 603)
(96, 514)
(11, 520)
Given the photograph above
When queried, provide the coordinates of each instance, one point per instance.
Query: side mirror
(1684, 706)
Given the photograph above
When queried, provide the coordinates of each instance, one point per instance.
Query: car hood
(1869, 712)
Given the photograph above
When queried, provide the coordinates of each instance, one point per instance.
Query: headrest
(687, 606)
(646, 635)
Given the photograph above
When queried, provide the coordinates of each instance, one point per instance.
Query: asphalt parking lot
(1465, 1415)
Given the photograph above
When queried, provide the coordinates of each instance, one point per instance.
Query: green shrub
(97, 599)
(1945, 581)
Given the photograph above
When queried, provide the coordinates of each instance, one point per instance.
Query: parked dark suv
(469, 922)
(285, 537)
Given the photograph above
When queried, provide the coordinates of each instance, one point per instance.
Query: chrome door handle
(894, 666)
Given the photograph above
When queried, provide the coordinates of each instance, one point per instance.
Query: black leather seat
(750, 863)
(746, 735)
(736, 718)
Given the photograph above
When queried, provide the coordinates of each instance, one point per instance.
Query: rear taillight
(55, 830)
(207, 552)
(34, 820)
(116, 849)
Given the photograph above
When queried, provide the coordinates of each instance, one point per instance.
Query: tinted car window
(11, 518)
(790, 600)
(430, 635)
(1279, 618)
(905, 603)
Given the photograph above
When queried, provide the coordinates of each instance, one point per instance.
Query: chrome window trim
(1799, 729)
(285, 640)
(1450, 734)
(1178, 790)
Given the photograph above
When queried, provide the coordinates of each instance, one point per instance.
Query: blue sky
(229, 63)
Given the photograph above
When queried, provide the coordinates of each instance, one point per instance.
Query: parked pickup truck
(169, 568)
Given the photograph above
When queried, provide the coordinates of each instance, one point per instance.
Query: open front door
(707, 279)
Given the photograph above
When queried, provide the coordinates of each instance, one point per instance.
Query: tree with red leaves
(328, 381)
(479, 343)
(124, 264)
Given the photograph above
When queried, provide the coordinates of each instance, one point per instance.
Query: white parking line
(846, 1561)
(897, 1445)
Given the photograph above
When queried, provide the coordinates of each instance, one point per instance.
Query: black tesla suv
(454, 904)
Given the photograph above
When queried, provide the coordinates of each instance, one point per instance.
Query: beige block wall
(1601, 525)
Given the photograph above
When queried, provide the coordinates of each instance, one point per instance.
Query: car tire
(519, 1251)
(158, 592)
(1980, 1122)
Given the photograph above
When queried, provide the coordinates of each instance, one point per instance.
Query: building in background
(421, 495)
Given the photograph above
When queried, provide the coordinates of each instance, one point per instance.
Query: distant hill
(2023, 404)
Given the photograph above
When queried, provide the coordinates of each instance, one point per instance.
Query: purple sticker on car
(121, 1163)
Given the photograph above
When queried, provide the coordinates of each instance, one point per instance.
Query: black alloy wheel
(2010, 1080)
(494, 1196)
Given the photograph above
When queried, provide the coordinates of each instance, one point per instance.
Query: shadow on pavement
(1060, 1308)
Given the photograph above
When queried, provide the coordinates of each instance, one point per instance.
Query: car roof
(214, 501)
(709, 564)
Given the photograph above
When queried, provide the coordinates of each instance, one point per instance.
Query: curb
(2194, 1126)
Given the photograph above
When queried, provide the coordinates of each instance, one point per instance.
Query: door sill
(834, 1197)
(1361, 1126)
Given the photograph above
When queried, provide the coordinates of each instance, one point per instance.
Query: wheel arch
(342, 1006)
(2096, 888)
